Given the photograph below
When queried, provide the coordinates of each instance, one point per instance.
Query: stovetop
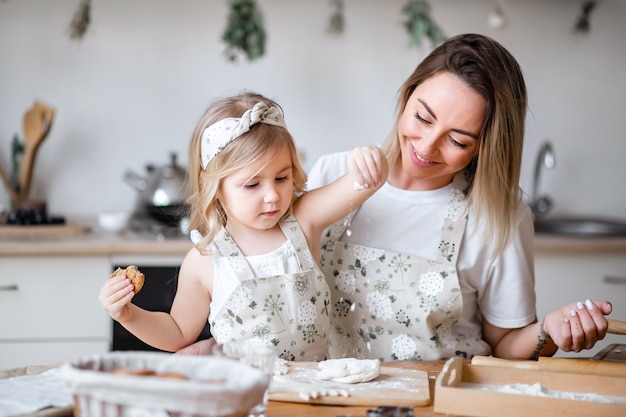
(143, 223)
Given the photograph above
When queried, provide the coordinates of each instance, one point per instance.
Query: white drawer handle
(614, 280)
(9, 287)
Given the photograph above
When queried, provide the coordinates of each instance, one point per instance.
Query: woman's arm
(574, 327)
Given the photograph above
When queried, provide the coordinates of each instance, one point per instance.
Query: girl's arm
(187, 317)
(572, 328)
(317, 209)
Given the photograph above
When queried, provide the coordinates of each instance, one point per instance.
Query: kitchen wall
(131, 90)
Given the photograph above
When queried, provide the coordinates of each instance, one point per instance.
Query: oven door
(157, 294)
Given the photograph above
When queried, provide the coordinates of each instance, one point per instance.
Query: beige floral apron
(288, 312)
(392, 306)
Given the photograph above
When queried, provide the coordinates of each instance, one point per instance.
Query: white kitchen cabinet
(562, 278)
(49, 309)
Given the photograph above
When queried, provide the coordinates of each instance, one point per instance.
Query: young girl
(253, 270)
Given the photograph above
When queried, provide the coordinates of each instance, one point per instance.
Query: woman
(439, 262)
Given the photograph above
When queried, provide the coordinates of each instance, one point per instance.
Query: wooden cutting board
(21, 231)
(394, 386)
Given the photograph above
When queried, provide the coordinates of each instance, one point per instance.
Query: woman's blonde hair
(262, 141)
(489, 69)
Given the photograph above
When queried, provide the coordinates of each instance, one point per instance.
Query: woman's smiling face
(439, 132)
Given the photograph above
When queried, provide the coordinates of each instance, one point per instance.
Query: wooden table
(285, 409)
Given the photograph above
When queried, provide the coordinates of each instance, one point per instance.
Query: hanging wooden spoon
(37, 123)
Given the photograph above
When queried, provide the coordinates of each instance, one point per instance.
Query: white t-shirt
(500, 289)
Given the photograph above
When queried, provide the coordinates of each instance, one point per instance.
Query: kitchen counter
(94, 242)
(551, 244)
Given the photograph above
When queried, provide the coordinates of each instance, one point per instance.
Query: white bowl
(113, 221)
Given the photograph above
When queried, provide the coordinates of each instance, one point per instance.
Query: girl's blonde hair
(262, 141)
(489, 69)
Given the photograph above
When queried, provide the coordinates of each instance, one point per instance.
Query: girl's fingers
(373, 166)
(117, 292)
(115, 308)
(367, 166)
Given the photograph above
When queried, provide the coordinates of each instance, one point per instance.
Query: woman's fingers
(583, 325)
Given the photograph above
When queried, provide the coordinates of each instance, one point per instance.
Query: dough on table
(349, 370)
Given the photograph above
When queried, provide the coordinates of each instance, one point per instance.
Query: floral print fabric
(391, 306)
(288, 312)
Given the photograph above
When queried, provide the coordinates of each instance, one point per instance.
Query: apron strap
(291, 228)
(228, 248)
(454, 223)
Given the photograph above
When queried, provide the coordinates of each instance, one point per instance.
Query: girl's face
(438, 132)
(257, 197)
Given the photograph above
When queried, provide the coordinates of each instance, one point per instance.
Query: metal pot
(163, 191)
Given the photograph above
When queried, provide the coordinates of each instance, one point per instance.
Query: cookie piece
(133, 372)
(135, 276)
(171, 375)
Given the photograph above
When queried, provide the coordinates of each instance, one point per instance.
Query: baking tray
(478, 390)
(612, 353)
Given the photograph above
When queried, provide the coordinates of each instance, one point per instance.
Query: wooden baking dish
(478, 390)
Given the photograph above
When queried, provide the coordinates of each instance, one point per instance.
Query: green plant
(420, 24)
(244, 31)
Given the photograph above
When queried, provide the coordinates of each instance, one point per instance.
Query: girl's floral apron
(391, 306)
(289, 312)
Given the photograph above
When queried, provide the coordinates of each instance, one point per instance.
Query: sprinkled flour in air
(538, 390)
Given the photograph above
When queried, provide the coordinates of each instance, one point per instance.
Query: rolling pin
(569, 365)
(617, 327)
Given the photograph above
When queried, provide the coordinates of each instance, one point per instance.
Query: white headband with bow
(223, 132)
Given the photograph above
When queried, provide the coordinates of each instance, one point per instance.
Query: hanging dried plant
(583, 24)
(420, 24)
(336, 23)
(80, 21)
(244, 31)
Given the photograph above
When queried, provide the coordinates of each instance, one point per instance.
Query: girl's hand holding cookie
(119, 290)
(135, 276)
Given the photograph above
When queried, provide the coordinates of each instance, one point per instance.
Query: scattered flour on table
(383, 382)
(538, 390)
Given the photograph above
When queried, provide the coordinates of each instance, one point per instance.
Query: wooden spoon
(37, 123)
